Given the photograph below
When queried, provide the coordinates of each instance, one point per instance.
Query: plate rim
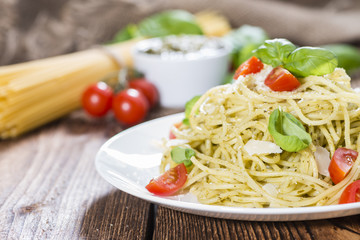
(210, 210)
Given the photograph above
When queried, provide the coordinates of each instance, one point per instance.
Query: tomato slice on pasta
(252, 65)
(171, 134)
(280, 79)
(341, 163)
(351, 193)
(169, 182)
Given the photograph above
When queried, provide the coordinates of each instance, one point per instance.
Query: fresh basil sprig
(301, 62)
(188, 107)
(275, 51)
(288, 132)
(182, 155)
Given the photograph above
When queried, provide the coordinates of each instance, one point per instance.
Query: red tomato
(351, 193)
(280, 79)
(252, 65)
(341, 163)
(130, 107)
(147, 88)
(171, 134)
(169, 182)
(97, 98)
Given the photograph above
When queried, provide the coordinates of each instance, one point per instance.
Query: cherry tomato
(130, 106)
(169, 182)
(351, 193)
(171, 134)
(97, 98)
(147, 88)
(252, 65)
(280, 79)
(341, 163)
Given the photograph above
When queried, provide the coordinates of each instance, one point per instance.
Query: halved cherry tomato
(169, 182)
(351, 193)
(96, 99)
(341, 163)
(147, 88)
(252, 65)
(280, 79)
(171, 134)
(130, 106)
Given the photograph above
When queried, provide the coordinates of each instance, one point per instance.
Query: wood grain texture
(171, 224)
(50, 189)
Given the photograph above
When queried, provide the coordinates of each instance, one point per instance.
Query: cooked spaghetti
(227, 117)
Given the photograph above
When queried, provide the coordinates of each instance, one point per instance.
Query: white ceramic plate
(131, 158)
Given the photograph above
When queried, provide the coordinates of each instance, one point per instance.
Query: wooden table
(49, 189)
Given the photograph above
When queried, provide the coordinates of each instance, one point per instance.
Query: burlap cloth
(41, 28)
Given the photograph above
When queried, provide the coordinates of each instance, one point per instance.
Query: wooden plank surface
(171, 224)
(50, 189)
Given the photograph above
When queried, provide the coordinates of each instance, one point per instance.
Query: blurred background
(42, 28)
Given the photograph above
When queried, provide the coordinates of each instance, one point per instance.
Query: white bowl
(179, 77)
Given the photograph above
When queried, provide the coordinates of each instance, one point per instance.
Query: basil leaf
(348, 56)
(292, 119)
(288, 132)
(182, 155)
(188, 107)
(292, 126)
(306, 61)
(169, 23)
(275, 51)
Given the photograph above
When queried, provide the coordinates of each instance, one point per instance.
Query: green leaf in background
(243, 40)
(247, 52)
(182, 155)
(275, 51)
(288, 132)
(348, 56)
(229, 78)
(244, 35)
(169, 23)
(188, 107)
(129, 32)
(306, 61)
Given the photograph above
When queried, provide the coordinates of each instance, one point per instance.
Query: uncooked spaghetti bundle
(37, 92)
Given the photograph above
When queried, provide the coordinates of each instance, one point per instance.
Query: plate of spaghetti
(279, 143)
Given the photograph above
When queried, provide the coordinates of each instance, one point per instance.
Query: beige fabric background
(32, 29)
